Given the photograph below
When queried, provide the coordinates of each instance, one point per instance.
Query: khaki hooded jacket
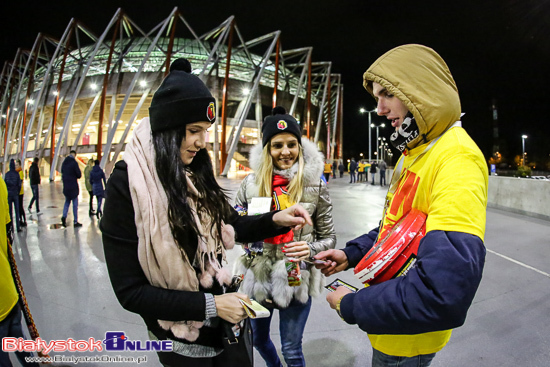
(424, 83)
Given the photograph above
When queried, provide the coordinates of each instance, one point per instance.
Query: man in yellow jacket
(409, 318)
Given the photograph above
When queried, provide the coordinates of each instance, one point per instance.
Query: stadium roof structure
(99, 87)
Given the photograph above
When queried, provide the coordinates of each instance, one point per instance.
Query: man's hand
(334, 297)
(296, 251)
(335, 261)
(230, 308)
(295, 217)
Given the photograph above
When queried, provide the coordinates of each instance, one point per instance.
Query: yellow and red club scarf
(281, 201)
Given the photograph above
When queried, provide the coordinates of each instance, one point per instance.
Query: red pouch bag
(394, 254)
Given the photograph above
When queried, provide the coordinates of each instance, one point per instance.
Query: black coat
(70, 174)
(34, 174)
(97, 178)
(133, 290)
(13, 182)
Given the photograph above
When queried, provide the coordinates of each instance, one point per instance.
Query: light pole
(377, 138)
(362, 110)
(382, 145)
(523, 137)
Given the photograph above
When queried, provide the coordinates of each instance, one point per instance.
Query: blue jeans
(351, 177)
(380, 359)
(13, 201)
(75, 208)
(35, 197)
(292, 322)
(382, 178)
(99, 201)
(11, 327)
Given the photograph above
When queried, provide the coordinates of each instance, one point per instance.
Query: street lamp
(523, 137)
(382, 143)
(362, 110)
(377, 132)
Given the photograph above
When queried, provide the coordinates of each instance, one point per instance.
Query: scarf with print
(281, 201)
(407, 132)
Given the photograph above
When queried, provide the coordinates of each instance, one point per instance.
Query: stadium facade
(88, 92)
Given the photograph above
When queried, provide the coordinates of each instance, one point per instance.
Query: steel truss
(47, 107)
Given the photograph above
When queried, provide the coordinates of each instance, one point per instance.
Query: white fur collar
(314, 162)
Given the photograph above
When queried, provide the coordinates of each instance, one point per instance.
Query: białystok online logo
(115, 341)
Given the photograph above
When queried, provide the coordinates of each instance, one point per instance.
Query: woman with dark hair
(167, 224)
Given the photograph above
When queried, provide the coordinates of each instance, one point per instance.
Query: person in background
(10, 312)
(89, 188)
(334, 168)
(367, 169)
(70, 173)
(97, 180)
(13, 184)
(327, 171)
(22, 217)
(341, 168)
(167, 224)
(360, 170)
(286, 169)
(34, 178)
(352, 170)
(383, 166)
(372, 171)
(409, 319)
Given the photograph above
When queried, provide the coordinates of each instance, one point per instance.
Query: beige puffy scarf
(166, 264)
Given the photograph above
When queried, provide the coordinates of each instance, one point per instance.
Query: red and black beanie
(280, 122)
(181, 99)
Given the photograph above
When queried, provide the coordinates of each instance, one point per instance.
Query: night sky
(497, 49)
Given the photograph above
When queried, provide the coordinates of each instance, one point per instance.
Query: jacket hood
(420, 78)
(12, 165)
(313, 158)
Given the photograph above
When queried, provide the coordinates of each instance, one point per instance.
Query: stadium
(86, 92)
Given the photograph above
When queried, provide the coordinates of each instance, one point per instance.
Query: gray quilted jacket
(265, 276)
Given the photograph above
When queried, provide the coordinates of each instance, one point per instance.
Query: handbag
(237, 344)
(237, 338)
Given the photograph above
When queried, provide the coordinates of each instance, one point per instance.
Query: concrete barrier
(520, 195)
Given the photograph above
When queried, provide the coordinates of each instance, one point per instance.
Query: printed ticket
(340, 283)
(255, 310)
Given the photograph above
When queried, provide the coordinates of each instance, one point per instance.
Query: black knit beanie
(181, 99)
(280, 122)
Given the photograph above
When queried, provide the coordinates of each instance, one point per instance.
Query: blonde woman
(287, 169)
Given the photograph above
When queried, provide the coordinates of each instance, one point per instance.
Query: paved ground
(68, 289)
